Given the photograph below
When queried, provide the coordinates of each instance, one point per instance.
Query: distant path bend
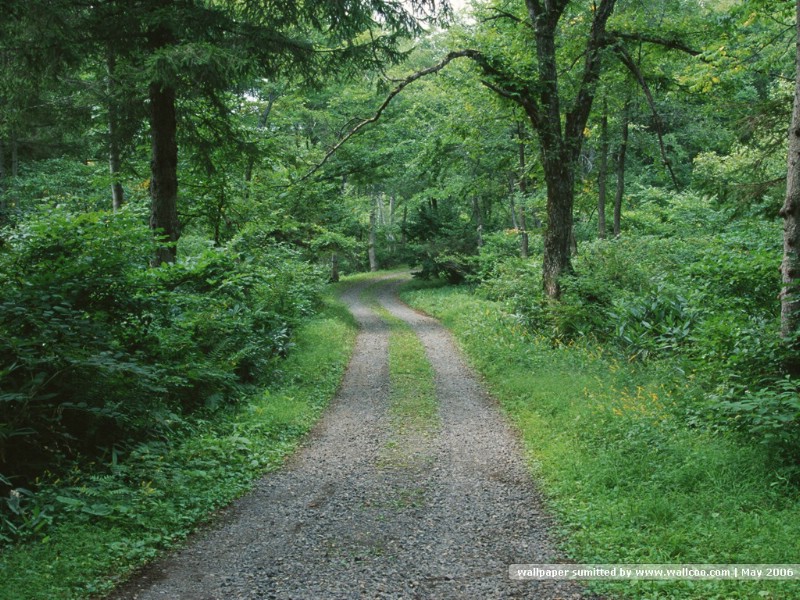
(339, 522)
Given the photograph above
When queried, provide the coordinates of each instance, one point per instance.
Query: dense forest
(180, 180)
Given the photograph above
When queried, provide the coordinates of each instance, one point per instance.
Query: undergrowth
(103, 524)
(630, 479)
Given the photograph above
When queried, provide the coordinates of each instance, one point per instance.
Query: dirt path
(341, 522)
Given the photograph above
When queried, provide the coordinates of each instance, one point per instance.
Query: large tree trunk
(620, 192)
(164, 172)
(114, 162)
(602, 176)
(561, 146)
(790, 267)
(559, 177)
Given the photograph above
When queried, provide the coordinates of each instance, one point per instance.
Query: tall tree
(556, 99)
(790, 267)
(559, 120)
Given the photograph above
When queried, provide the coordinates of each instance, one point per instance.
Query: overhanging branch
(631, 65)
(671, 43)
(474, 54)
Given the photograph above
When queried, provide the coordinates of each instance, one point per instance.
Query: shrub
(97, 349)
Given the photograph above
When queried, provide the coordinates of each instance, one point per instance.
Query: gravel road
(340, 521)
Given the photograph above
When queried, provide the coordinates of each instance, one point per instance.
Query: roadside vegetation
(651, 397)
(99, 521)
(607, 179)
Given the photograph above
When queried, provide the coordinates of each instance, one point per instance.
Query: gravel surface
(340, 521)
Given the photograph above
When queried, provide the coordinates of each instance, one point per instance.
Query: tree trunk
(559, 177)
(117, 193)
(623, 148)
(790, 267)
(513, 207)
(403, 236)
(602, 175)
(476, 210)
(3, 200)
(381, 211)
(373, 258)
(164, 172)
(390, 230)
(335, 267)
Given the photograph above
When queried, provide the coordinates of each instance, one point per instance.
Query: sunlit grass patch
(630, 480)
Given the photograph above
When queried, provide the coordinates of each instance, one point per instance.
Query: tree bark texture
(790, 266)
(620, 192)
(602, 176)
(164, 153)
(164, 172)
(560, 147)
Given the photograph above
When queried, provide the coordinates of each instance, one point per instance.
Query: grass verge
(413, 404)
(629, 480)
(115, 521)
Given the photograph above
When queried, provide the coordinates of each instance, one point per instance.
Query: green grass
(628, 479)
(113, 521)
(413, 403)
(413, 406)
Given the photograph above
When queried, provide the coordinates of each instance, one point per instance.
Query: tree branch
(628, 61)
(579, 113)
(671, 43)
(474, 54)
(501, 14)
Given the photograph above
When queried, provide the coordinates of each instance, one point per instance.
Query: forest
(594, 189)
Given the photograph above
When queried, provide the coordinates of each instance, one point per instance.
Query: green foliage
(687, 284)
(97, 348)
(104, 522)
(770, 415)
(628, 477)
(442, 241)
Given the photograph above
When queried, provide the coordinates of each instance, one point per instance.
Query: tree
(215, 51)
(557, 101)
(790, 267)
(559, 122)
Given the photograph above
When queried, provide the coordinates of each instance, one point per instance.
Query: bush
(97, 349)
(770, 415)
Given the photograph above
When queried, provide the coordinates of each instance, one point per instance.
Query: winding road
(339, 521)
